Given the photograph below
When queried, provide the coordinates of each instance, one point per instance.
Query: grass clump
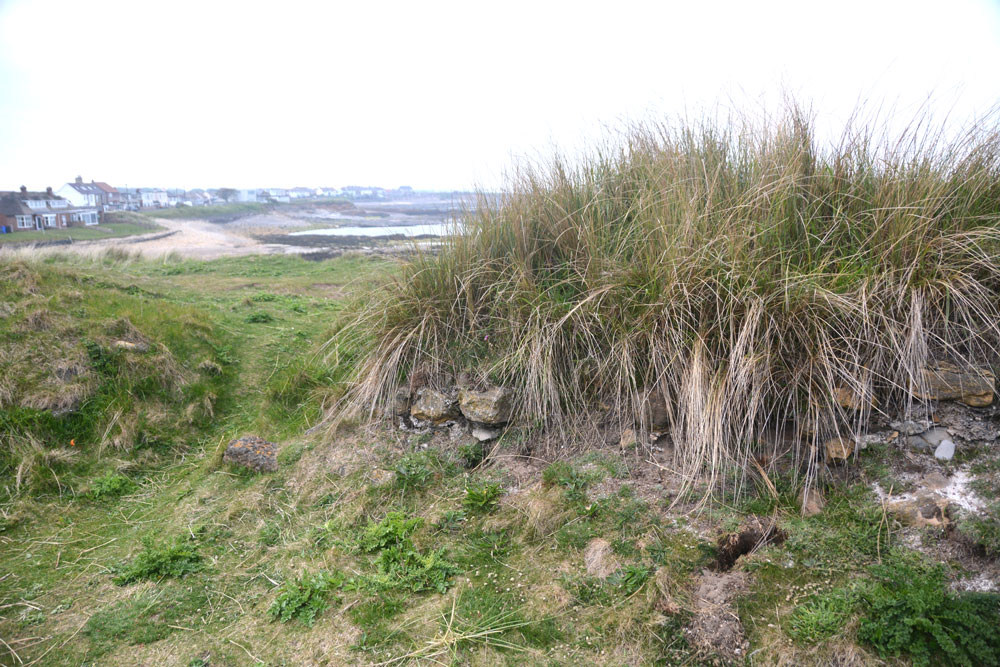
(713, 278)
(822, 616)
(910, 611)
(158, 561)
(305, 597)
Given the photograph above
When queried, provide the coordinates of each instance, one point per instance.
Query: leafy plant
(451, 520)
(393, 530)
(306, 597)
(399, 564)
(630, 578)
(910, 611)
(111, 485)
(156, 562)
(413, 471)
(569, 478)
(482, 498)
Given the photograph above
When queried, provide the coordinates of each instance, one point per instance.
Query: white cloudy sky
(439, 95)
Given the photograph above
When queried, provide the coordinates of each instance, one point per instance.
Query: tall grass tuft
(725, 279)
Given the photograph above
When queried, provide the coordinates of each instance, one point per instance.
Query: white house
(79, 193)
(154, 198)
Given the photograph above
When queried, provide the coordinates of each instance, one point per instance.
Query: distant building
(25, 210)
(247, 195)
(153, 198)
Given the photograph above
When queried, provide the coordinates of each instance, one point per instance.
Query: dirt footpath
(195, 239)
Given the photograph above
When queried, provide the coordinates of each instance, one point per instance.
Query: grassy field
(102, 231)
(125, 540)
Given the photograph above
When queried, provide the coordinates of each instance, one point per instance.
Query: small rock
(812, 501)
(851, 400)
(401, 402)
(944, 381)
(838, 449)
(433, 406)
(928, 440)
(911, 427)
(486, 407)
(926, 509)
(252, 452)
(945, 450)
(483, 434)
(599, 559)
(129, 345)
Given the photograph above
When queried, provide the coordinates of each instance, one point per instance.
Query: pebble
(945, 450)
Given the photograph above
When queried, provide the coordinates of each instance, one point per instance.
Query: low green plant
(111, 485)
(393, 530)
(821, 616)
(259, 317)
(630, 578)
(909, 611)
(305, 597)
(399, 564)
(482, 498)
(413, 471)
(159, 561)
(451, 520)
(561, 473)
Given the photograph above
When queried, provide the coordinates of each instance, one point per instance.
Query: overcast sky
(432, 94)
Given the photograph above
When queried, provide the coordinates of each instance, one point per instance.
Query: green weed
(305, 597)
(482, 498)
(111, 485)
(910, 611)
(158, 561)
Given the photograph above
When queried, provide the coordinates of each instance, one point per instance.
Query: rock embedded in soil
(252, 452)
(483, 434)
(924, 509)
(490, 407)
(433, 406)
(944, 381)
(838, 450)
(812, 501)
(911, 427)
(945, 451)
(928, 440)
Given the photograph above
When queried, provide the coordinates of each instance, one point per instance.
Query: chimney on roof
(24, 189)
(79, 180)
(48, 191)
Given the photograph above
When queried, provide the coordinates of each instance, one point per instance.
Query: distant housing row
(81, 204)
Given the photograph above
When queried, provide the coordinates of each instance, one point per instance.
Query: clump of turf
(710, 279)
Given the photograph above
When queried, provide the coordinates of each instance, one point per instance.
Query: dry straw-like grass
(734, 273)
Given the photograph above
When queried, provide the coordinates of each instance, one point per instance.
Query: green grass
(104, 230)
